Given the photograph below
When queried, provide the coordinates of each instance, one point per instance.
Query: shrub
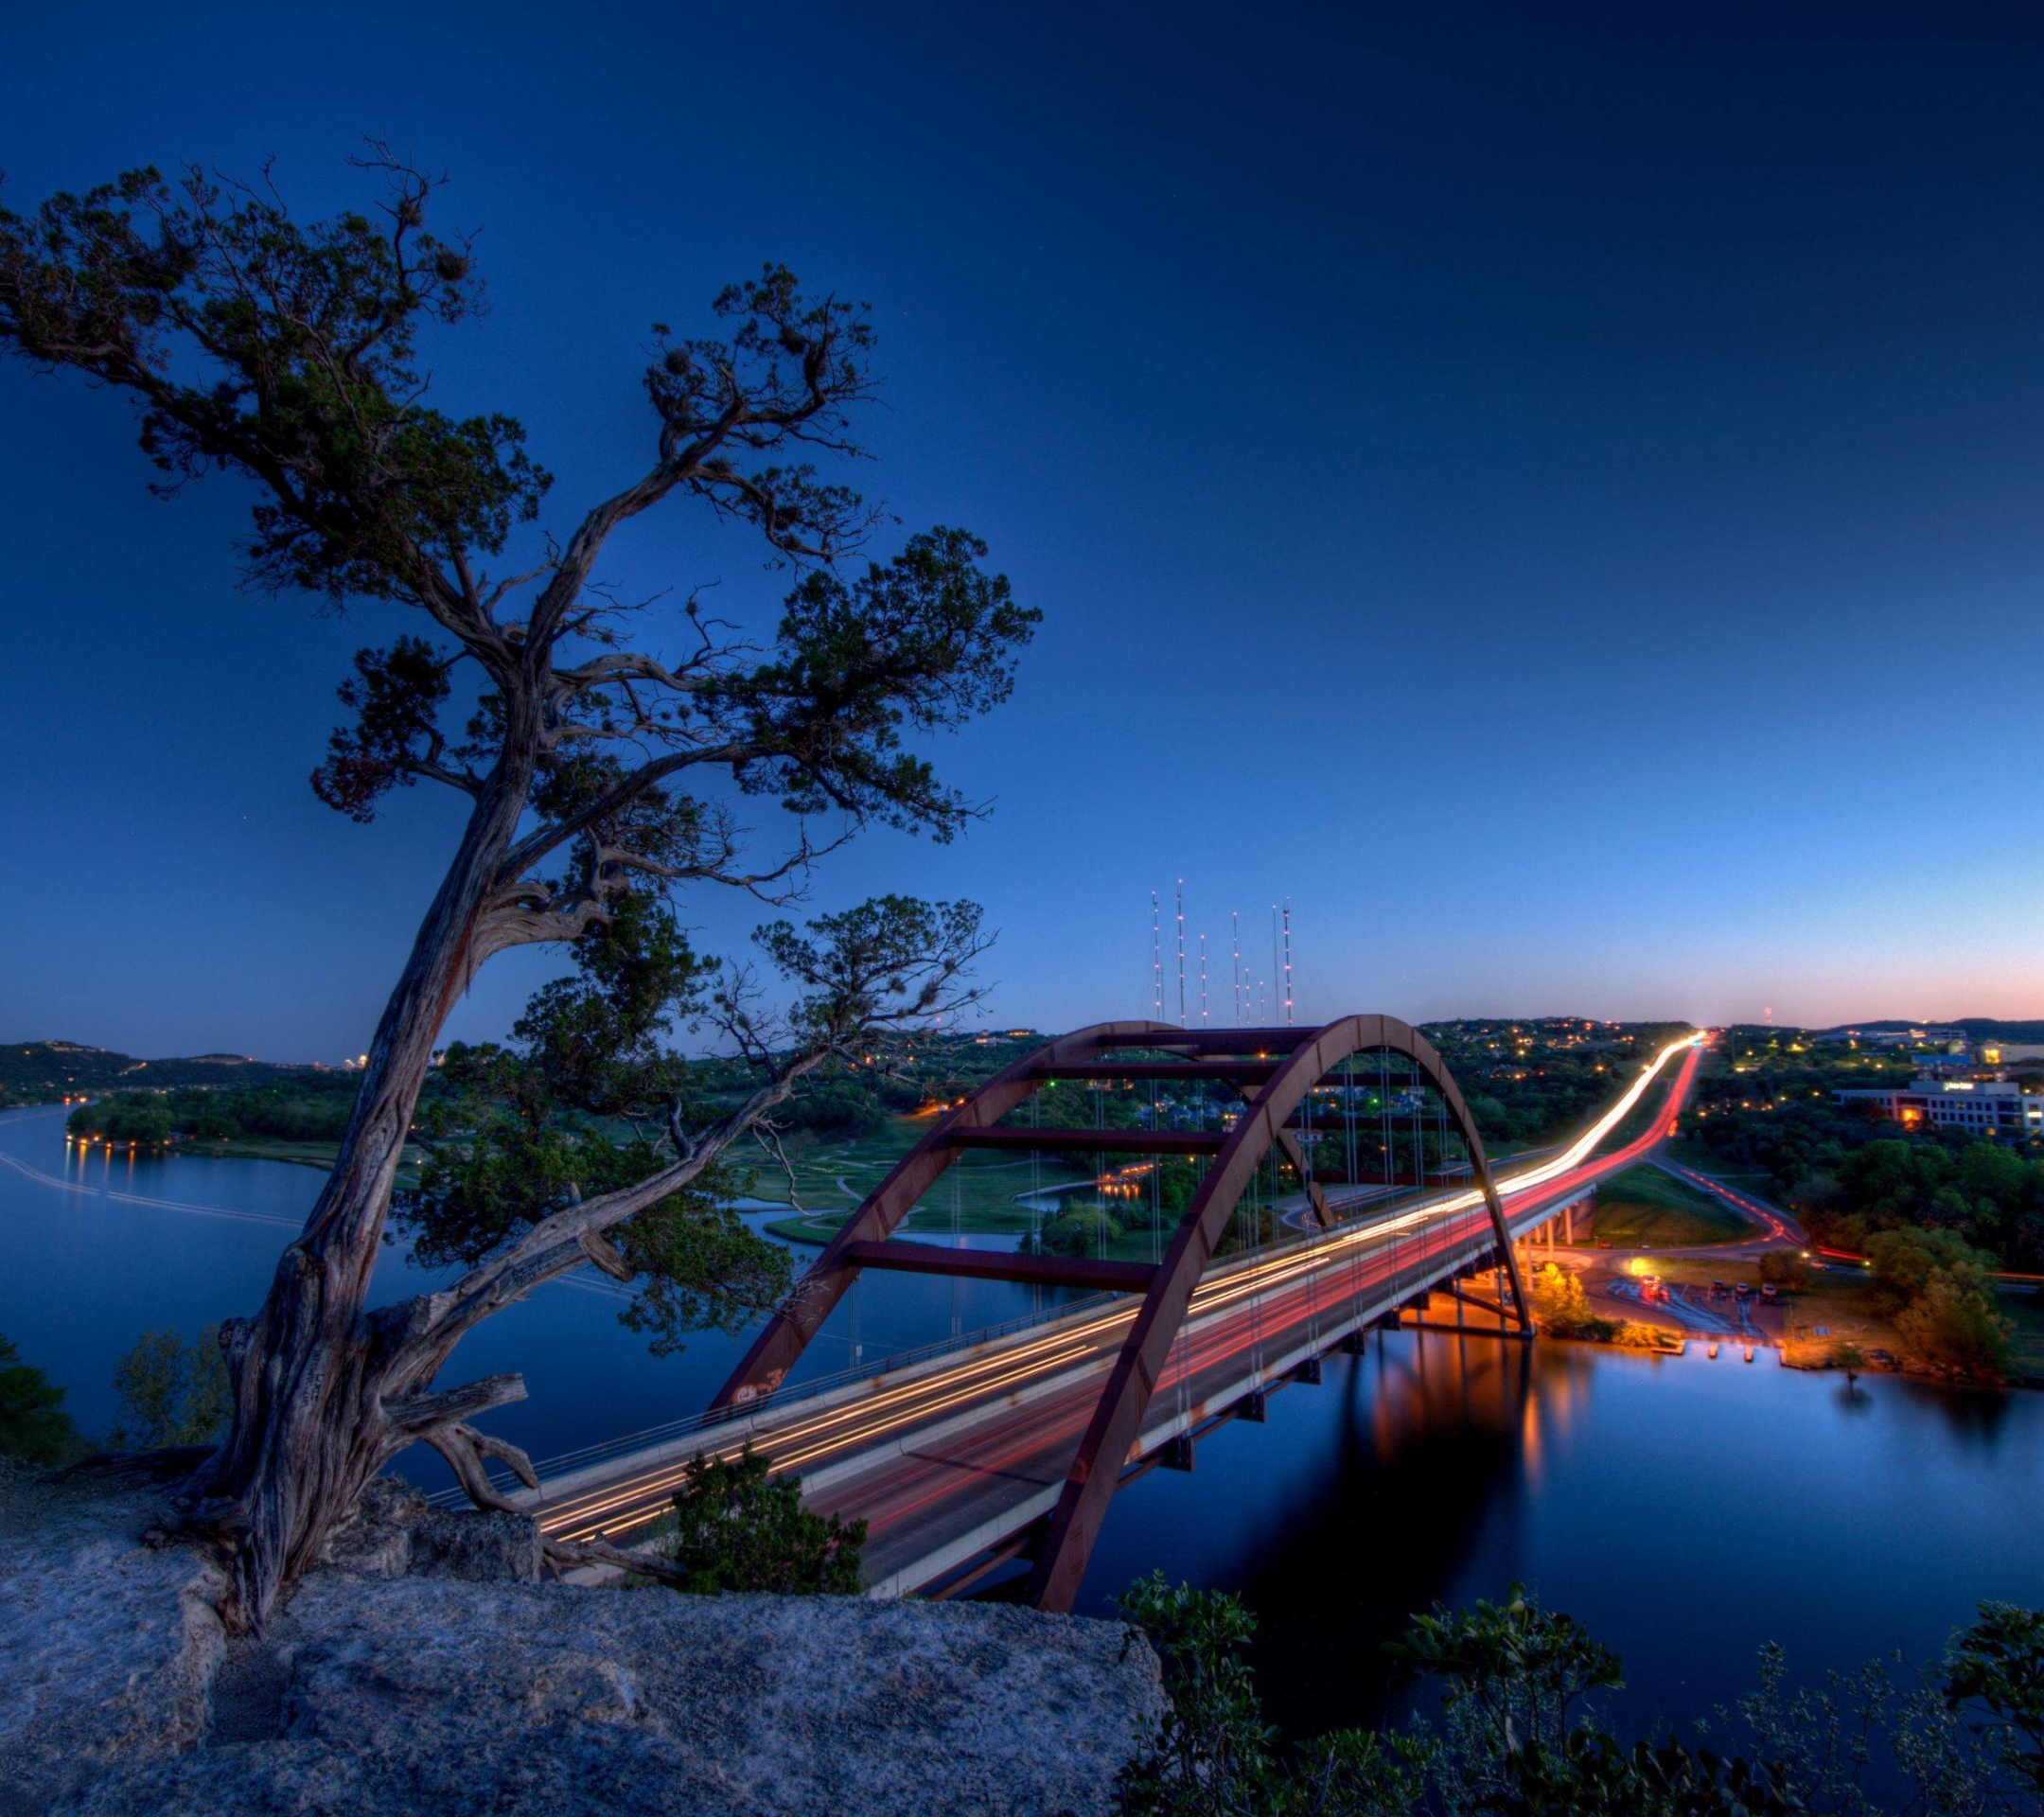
(33, 1424)
(737, 1527)
(1562, 1309)
(169, 1392)
(1953, 1327)
(1785, 1269)
(1520, 1730)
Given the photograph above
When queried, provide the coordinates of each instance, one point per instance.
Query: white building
(1996, 1107)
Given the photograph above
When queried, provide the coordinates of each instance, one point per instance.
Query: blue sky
(1559, 500)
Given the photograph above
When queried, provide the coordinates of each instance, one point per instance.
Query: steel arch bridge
(1273, 1070)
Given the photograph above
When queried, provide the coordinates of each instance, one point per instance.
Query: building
(1943, 1064)
(2010, 1053)
(1996, 1107)
(1948, 1040)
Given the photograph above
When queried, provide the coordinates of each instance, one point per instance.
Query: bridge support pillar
(1308, 1372)
(1355, 1344)
(1254, 1407)
(1178, 1453)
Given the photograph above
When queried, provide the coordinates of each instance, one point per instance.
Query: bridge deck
(947, 1460)
(950, 1458)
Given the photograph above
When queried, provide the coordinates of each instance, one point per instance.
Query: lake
(1685, 1509)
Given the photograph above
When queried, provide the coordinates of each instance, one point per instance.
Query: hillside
(34, 1071)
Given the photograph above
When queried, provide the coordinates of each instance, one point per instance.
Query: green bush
(1519, 1730)
(169, 1392)
(1086, 1232)
(33, 1424)
(1562, 1308)
(737, 1527)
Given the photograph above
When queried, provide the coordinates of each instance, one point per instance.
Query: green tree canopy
(738, 1526)
(33, 1424)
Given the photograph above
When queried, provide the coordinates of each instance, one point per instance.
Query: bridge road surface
(948, 1461)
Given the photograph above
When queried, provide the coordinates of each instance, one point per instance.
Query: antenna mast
(1181, 953)
(1274, 974)
(1235, 918)
(1288, 964)
(1156, 960)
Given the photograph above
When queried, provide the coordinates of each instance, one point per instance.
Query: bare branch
(464, 1449)
(767, 1136)
(415, 1412)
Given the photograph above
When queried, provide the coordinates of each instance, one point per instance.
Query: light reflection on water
(1685, 1509)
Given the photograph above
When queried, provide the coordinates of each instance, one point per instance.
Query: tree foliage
(1995, 1675)
(603, 751)
(295, 1113)
(1939, 1292)
(169, 1392)
(33, 1424)
(1982, 1193)
(1563, 1307)
(1519, 1730)
(738, 1526)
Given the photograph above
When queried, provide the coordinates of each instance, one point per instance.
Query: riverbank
(1811, 1325)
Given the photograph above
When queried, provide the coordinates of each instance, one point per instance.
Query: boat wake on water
(610, 1290)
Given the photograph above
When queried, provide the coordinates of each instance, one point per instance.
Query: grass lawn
(2025, 1312)
(1833, 1311)
(833, 1175)
(1689, 1153)
(319, 1154)
(1645, 1205)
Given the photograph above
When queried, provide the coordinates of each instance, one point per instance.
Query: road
(949, 1458)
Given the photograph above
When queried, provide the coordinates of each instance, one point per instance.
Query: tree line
(1521, 1728)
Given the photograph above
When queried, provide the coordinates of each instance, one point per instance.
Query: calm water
(101, 1250)
(1685, 1509)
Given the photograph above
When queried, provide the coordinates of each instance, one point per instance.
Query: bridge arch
(1275, 1069)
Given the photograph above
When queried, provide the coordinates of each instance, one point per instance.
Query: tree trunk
(311, 1374)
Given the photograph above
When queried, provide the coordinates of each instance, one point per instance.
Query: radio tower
(1181, 953)
(1157, 958)
(1288, 964)
(1203, 980)
(1271, 1014)
(1235, 918)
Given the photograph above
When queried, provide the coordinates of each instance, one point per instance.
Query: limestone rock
(108, 1647)
(399, 1694)
(396, 1531)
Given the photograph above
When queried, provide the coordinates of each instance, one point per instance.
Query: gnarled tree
(602, 749)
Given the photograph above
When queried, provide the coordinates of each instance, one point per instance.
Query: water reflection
(1686, 1511)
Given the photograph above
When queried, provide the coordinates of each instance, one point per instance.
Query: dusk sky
(1559, 499)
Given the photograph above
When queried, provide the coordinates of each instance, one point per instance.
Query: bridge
(1341, 1185)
